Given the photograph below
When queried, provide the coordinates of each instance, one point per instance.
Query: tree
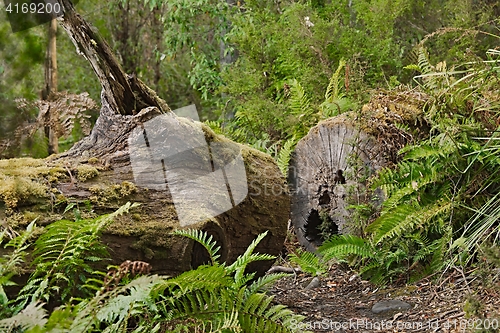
(50, 88)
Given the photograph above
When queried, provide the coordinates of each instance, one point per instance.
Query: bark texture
(51, 83)
(125, 94)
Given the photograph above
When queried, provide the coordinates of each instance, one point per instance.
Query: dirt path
(343, 303)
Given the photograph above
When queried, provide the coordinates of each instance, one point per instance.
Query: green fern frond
(206, 305)
(426, 151)
(299, 101)
(117, 308)
(114, 307)
(309, 262)
(258, 316)
(203, 277)
(228, 323)
(31, 316)
(284, 155)
(335, 101)
(264, 281)
(216, 126)
(10, 264)
(242, 261)
(424, 62)
(333, 91)
(254, 313)
(340, 246)
(60, 253)
(413, 67)
(204, 239)
(405, 218)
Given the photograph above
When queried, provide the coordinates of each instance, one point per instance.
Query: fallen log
(182, 174)
(331, 166)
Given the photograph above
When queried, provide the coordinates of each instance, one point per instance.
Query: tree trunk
(331, 166)
(51, 84)
(181, 173)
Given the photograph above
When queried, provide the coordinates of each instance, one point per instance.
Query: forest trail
(343, 303)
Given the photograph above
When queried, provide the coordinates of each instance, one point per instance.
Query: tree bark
(125, 94)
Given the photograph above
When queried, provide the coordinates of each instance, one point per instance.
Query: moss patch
(85, 171)
(93, 160)
(106, 194)
(395, 118)
(27, 180)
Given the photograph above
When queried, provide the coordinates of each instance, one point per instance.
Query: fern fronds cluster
(435, 196)
(11, 265)
(211, 298)
(63, 254)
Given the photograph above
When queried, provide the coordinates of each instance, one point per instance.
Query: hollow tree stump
(330, 167)
(327, 169)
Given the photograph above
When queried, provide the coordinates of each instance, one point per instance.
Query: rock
(391, 305)
(313, 284)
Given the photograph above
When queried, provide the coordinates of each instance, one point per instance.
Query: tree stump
(331, 166)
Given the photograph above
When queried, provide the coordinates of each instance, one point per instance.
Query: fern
(216, 126)
(239, 266)
(31, 317)
(406, 218)
(300, 103)
(62, 254)
(341, 246)
(336, 101)
(413, 233)
(204, 277)
(262, 282)
(211, 298)
(204, 240)
(12, 264)
(218, 296)
(284, 155)
(112, 309)
(309, 262)
(334, 89)
(133, 295)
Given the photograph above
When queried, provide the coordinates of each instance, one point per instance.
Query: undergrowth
(216, 297)
(441, 199)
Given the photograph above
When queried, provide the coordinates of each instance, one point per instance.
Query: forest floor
(453, 302)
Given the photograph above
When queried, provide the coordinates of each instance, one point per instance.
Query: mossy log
(331, 167)
(43, 189)
(102, 172)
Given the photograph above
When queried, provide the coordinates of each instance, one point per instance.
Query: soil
(455, 301)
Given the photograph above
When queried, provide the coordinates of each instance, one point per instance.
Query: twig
(447, 313)
(465, 279)
(70, 176)
(283, 269)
